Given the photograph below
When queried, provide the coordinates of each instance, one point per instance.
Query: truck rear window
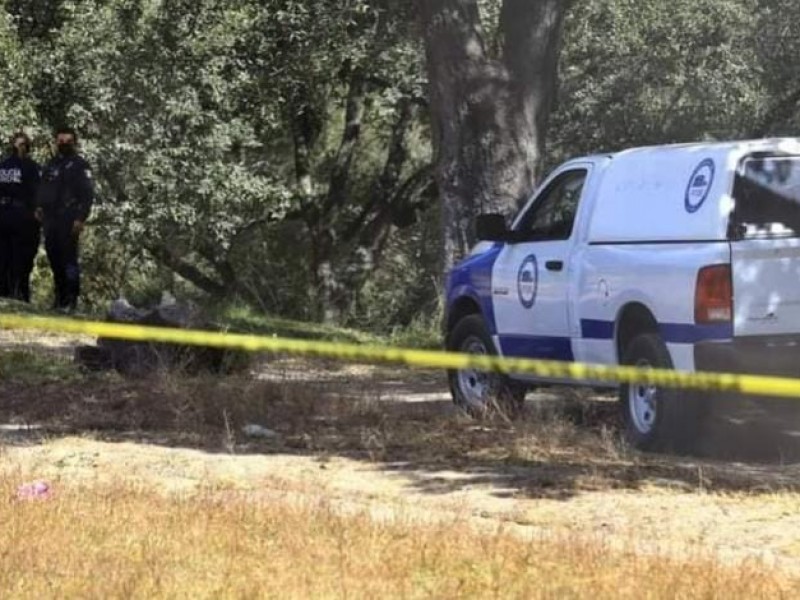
(766, 192)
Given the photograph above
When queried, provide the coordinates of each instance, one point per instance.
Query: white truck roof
(679, 192)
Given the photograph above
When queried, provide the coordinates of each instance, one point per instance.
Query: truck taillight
(713, 298)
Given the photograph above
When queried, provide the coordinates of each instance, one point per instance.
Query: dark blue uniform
(66, 195)
(19, 229)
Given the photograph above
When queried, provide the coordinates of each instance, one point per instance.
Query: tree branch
(383, 188)
(187, 270)
(354, 114)
(305, 131)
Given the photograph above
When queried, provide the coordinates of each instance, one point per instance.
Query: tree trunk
(351, 135)
(331, 291)
(489, 114)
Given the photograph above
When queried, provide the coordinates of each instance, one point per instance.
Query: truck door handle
(554, 265)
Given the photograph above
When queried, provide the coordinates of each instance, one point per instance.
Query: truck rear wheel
(657, 418)
(478, 392)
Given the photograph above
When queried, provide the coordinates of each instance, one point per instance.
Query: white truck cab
(680, 256)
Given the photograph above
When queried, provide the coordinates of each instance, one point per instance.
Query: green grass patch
(245, 320)
(422, 333)
(30, 367)
(16, 307)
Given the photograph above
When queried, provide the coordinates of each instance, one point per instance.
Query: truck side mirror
(491, 227)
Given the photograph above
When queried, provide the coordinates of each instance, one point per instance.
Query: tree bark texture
(489, 113)
(331, 290)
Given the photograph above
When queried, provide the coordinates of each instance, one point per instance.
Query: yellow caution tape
(744, 384)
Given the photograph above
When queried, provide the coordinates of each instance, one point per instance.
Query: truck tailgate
(765, 247)
(766, 287)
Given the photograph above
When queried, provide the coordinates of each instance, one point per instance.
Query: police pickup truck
(682, 257)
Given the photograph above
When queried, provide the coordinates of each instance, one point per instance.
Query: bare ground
(389, 441)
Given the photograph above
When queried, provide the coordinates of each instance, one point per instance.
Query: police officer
(19, 228)
(65, 199)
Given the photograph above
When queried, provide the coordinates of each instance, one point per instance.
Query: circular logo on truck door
(528, 281)
(699, 185)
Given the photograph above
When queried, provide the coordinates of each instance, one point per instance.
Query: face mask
(66, 149)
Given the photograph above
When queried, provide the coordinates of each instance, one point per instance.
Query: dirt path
(389, 442)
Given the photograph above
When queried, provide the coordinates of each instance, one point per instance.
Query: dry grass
(563, 447)
(119, 542)
(347, 419)
(560, 458)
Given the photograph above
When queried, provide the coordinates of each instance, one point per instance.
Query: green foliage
(190, 111)
(226, 166)
(424, 331)
(405, 292)
(639, 72)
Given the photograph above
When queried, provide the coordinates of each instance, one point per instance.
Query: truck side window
(766, 193)
(553, 214)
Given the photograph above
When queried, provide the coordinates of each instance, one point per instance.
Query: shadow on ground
(761, 430)
(402, 421)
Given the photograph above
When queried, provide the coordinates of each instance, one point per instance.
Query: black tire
(476, 392)
(658, 418)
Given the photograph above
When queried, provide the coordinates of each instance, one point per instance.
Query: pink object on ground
(37, 490)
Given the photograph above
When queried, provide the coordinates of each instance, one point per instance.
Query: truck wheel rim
(643, 404)
(475, 386)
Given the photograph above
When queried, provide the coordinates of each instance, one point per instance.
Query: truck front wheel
(474, 391)
(657, 418)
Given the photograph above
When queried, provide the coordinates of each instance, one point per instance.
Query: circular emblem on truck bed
(528, 281)
(699, 185)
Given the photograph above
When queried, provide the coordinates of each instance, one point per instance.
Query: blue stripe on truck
(679, 333)
(674, 333)
(473, 279)
(597, 330)
(560, 348)
(529, 346)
